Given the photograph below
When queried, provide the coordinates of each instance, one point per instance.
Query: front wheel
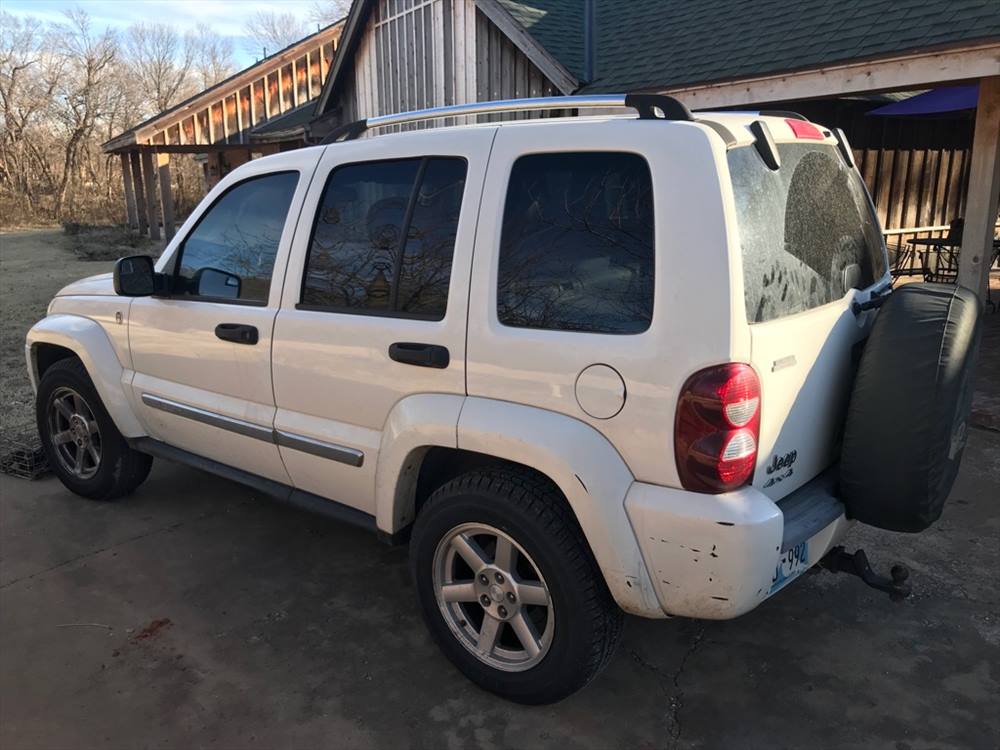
(509, 588)
(83, 446)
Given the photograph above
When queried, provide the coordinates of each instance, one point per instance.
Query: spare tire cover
(907, 420)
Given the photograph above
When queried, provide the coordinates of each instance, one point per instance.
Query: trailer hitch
(838, 560)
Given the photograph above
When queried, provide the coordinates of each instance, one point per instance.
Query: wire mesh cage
(21, 453)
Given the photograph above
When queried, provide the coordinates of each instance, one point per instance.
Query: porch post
(984, 191)
(149, 177)
(166, 195)
(131, 217)
(140, 194)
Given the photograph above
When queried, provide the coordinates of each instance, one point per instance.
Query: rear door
(374, 308)
(811, 247)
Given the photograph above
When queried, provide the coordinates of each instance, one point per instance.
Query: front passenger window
(229, 255)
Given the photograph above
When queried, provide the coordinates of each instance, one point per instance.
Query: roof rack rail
(649, 107)
(782, 113)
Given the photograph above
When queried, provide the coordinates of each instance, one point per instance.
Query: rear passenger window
(384, 237)
(576, 249)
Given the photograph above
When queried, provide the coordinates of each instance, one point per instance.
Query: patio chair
(940, 259)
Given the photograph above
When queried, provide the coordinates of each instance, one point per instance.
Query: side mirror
(212, 282)
(134, 276)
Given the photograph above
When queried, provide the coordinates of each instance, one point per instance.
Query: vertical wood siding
(416, 54)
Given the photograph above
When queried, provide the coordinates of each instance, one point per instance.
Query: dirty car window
(807, 230)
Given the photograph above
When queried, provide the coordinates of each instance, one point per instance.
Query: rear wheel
(509, 588)
(83, 446)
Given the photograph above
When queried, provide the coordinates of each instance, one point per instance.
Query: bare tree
(84, 93)
(66, 88)
(325, 12)
(270, 31)
(161, 61)
(212, 56)
(27, 80)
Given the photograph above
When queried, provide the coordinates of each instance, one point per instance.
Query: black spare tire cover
(907, 420)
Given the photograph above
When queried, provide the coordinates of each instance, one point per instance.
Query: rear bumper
(718, 556)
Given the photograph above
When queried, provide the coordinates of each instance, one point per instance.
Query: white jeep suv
(583, 365)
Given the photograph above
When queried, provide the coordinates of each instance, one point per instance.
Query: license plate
(791, 563)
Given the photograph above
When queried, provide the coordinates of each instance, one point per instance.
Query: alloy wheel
(74, 432)
(493, 597)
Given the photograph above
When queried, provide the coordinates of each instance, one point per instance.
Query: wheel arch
(58, 337)
(431, 438)
(44, 355)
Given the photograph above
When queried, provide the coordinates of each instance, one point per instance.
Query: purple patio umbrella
(935, 101)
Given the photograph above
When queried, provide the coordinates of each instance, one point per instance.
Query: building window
(576, 248)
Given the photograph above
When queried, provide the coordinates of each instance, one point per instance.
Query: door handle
(237, 333)
(421, 355)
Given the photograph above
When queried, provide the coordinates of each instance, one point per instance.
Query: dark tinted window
(576, 251)
(807, 230)
(230, 253)
(384, 238)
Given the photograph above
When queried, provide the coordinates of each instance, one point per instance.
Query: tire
(118, 469)
(585, 621)
(907, 421)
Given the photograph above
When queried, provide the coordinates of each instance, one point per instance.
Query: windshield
(807, 231)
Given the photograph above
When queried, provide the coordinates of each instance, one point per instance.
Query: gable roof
(232, 83)
(497, 11)
(660, 44)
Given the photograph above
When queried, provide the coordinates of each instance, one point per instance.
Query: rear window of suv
(807, 230)
(577, 250)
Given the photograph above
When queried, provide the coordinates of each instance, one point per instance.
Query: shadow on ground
(198, 614)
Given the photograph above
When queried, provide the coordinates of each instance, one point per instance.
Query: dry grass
(89, 242)
(34, 265)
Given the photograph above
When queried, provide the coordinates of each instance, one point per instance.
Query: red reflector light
(803, 129)
(717, 428)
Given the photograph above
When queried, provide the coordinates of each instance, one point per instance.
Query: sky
(224, 16)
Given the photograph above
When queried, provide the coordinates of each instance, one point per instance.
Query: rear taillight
(717, 427)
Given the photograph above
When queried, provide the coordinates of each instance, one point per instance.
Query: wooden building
(827, 61)
(831, 62)
(260, 110)
(414, 54)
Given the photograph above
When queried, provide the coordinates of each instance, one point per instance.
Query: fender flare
(88, 341)
(578, 459)
(415, 424)
(587, 469)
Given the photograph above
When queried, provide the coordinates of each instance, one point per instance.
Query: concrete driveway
(197, 614)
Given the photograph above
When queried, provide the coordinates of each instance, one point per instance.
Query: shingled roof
(557, 25)
(659, 44)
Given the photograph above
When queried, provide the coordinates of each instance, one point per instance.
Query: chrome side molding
(341, 454)
(239, 426)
